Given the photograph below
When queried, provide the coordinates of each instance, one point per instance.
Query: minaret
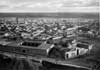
(17, 20)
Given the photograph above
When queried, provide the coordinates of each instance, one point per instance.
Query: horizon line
(49, 12)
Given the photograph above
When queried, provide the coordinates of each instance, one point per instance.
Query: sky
(49, 6)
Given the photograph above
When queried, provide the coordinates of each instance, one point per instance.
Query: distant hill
(58, 15)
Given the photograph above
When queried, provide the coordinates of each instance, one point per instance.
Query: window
(31, 44)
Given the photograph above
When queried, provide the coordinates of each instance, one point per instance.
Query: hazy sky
(49, 5)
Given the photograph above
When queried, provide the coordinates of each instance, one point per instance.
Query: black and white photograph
(49, 34)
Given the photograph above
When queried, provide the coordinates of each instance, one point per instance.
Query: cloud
(94, 3)
(80, 9)
(81, 3)
(49, 5)
(4, 6)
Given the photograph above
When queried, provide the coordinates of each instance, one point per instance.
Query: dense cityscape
(33, 28)
(49, 34)
(63, 33)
